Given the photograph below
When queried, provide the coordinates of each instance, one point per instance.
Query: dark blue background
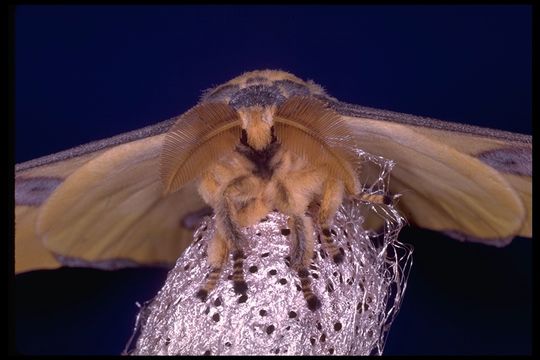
(85, 73)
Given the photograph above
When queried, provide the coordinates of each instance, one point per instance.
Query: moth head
(257, 121)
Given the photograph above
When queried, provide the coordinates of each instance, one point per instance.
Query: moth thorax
(258, 122)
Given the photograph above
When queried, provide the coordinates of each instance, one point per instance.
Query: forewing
(33, 186)
(471, 183)
(70, 176)
(110, 213)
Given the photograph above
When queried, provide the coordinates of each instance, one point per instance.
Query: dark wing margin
(422, 121)
(510, 154)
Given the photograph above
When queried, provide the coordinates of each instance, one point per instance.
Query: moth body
(264, 141)
(274, 146)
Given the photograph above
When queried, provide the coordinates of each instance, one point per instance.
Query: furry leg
(218, 252)
(332, 197)
(302, 254)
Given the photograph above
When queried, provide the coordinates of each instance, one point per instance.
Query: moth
(262, 141)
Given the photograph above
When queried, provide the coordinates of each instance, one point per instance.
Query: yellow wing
(100, 205)
(33, 186)
(472, 183)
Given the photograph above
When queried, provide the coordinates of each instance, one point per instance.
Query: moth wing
(33, 186)
(110, 213)
(445, 186)
(511, 157)
(69, 206)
